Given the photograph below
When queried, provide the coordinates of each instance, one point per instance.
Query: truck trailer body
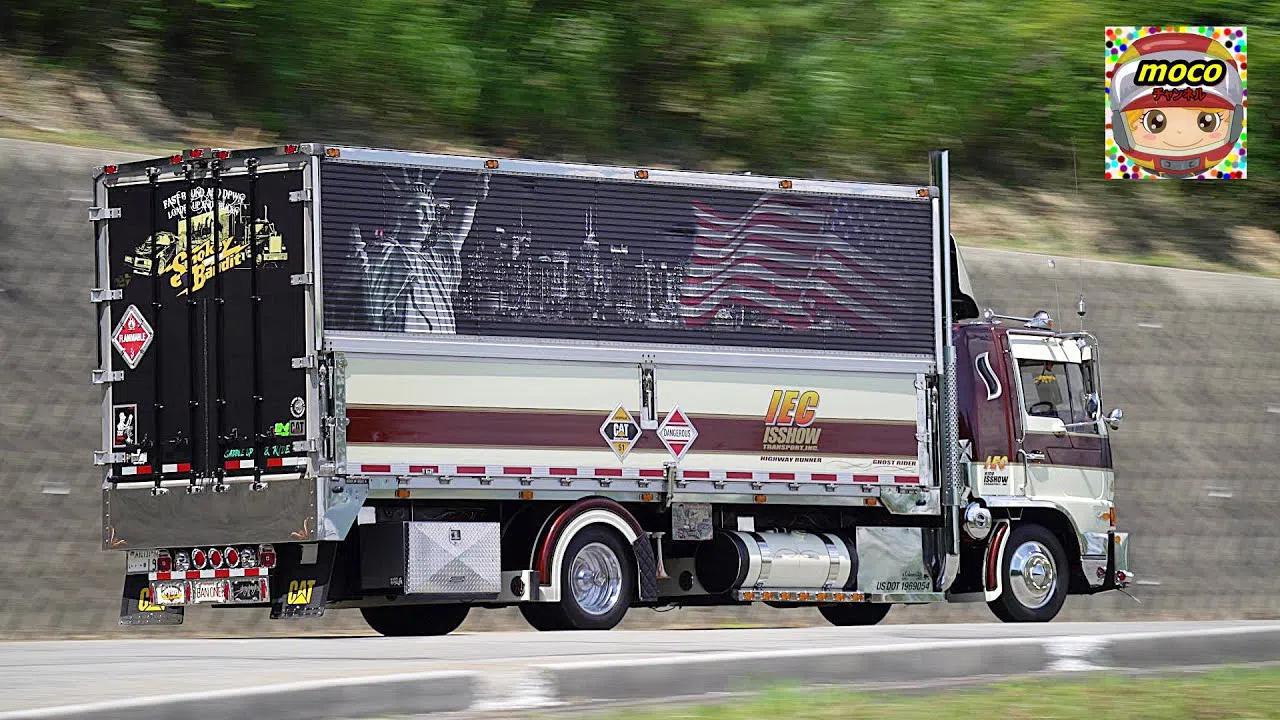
(414, 384)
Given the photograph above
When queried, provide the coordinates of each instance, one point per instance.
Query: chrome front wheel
(1033, 586)
(1033, 576)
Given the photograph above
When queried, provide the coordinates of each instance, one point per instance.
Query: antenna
(1075, 176)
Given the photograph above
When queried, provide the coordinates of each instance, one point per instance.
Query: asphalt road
(44, 674)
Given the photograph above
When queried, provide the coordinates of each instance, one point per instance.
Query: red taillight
(199, 559)
(164, 563)
(110, 169)
(267, 556)
(215, 558)
(175, 159)
(290, 149)
(232, 555)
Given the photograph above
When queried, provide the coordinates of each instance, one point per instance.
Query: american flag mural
(613, 261)
(786, 260)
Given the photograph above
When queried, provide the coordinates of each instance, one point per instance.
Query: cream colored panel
(599, 386)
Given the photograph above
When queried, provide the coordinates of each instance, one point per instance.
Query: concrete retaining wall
(1190, 356)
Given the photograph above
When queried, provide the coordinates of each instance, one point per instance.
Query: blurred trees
(803, 87)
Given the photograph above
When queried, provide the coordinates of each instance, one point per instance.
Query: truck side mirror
(1113, 420)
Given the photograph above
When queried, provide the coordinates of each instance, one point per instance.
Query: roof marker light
(222, 154)
(290, 149)
(110, 169)
(175, 159)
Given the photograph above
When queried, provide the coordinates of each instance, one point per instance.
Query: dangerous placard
(621, 431)
(677, 433)
(132, 336)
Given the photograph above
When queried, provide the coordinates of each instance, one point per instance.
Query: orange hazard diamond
(132, 336)
(677, 433)
(621, 431)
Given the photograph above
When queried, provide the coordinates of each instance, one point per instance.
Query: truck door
(203, 321)
(1063, 446)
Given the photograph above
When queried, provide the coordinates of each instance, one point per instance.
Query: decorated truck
(417, 384)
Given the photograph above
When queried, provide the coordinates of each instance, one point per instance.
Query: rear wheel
(854, 613)
(415, 620)
(1033, 587)
(597, 582)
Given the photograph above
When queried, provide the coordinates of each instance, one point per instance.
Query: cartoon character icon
(1177, 103)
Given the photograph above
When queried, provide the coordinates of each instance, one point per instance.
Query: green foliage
(831, 87)
(1227, 693)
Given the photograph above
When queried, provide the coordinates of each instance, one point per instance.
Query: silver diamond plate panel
(453, 557)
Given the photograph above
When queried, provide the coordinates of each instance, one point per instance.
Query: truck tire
(544, 617)
(597, 582)
(1033, 576)
(854, 613)
(415, 620)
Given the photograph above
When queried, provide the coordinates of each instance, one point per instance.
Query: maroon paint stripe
(535, 428)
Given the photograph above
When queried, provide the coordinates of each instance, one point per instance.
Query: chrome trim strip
(628, 174)
(631, 353)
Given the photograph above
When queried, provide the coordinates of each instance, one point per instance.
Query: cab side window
(1056, 390)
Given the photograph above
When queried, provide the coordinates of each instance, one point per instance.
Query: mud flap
(136, 607)
(646, 567)
(300, 583)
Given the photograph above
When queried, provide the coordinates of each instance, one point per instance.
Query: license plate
(141, 561)
(168, 593)
(248, 590)
(208, 591)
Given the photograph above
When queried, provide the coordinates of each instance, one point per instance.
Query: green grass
(1227, 693)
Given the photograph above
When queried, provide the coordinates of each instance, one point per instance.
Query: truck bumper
(1106, 561)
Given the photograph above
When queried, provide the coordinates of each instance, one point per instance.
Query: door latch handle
(1034, 456)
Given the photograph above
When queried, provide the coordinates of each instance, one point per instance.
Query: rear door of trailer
(515, 327)
(204, 320)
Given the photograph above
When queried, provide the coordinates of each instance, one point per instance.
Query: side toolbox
(442, 560)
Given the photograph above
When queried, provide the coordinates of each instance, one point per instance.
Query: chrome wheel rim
(596, 578)
(1033, 576)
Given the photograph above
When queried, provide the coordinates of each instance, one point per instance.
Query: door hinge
(300, 279)
(306, 361)
(102, 377)
(303, 195)
(98, 295)
(97, 213)
(107, 457)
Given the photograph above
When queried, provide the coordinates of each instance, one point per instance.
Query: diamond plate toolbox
(453, 558)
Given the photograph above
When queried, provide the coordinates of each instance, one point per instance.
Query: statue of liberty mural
(411, 272)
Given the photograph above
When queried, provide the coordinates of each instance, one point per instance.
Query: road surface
(526, 669)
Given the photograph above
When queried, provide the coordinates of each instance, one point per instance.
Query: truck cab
(1037, 448)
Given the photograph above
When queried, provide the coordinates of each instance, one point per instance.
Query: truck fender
(549, 550)
(992, 583)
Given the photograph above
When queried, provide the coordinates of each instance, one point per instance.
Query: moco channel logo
(789, 421)
(1176, 99)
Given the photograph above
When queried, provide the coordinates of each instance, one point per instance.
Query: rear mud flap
(300, 583)
(136, 607)
(647, 567)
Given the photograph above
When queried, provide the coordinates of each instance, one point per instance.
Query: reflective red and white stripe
(401, 469)
(274, 462)
(219, 573)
